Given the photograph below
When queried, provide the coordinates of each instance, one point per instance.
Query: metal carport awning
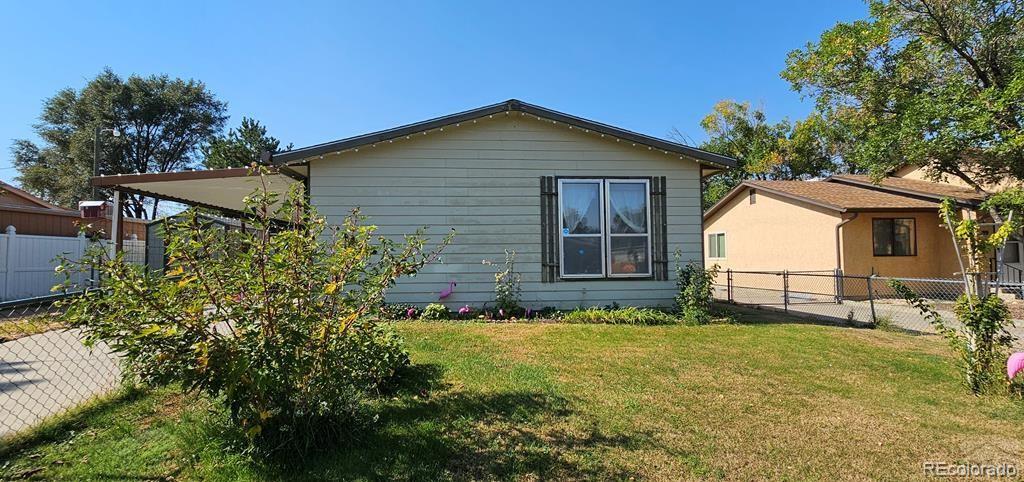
(223, 190)
(219, 189)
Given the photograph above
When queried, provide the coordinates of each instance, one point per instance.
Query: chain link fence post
(728, 285)
(871, 299)
(785, 290)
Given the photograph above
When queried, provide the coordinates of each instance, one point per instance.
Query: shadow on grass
(429, 432)
(60, 427)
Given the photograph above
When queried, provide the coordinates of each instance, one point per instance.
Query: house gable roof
(7, 189)
(512, 105)
(912, 187)
(833, 196)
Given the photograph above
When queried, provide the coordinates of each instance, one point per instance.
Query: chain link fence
(866, 300)
(44, 367)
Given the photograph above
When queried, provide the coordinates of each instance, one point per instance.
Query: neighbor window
(894, 237)
(605, 227)
(716, 245)
(1011, 253)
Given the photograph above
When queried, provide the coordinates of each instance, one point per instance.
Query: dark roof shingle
(842, 197)
(935, 190)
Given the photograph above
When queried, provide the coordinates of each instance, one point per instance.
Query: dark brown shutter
(659, 229)
(549, 224)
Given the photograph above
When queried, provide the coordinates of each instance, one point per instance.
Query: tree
(783, 150)
(240, 147)
(163, 123)
(931, 83)
(279, 323)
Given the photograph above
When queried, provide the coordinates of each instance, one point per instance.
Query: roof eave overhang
(304, 154)
(747, 185)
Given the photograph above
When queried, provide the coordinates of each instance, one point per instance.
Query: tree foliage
(279, 321)
(932, 83)
(163, 123)
(783, 150)
(241, 147)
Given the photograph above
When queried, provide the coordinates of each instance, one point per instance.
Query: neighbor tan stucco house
(593, 212)
(845, 222)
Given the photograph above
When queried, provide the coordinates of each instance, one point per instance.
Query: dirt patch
(1016, 309)
(14, 328)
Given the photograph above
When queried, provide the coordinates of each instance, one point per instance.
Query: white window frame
(562, 234)
(605, 234)
(725, 242)
(608, 208)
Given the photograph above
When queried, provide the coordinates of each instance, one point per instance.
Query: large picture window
(605, 228)
(894, 236)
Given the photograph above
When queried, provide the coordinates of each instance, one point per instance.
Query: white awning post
(115, 226)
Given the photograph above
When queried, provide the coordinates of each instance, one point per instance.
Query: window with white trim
(605, 228)
(716, 245)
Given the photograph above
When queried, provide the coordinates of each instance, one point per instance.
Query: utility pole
(96, 154)
(95, 159)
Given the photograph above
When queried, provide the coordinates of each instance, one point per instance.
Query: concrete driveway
(45, 374)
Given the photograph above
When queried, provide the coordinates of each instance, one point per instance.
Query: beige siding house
(499, 176)
(844, 222)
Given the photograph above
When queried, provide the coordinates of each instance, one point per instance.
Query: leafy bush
(619, 316)
(981, 344)
(508, 287)
(277, 321)
(397, 311)
(435, 311)
(695, 291)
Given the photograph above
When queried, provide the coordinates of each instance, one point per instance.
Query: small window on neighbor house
(753, 196)
(716, 245)
(1011, 253)
(894, 237)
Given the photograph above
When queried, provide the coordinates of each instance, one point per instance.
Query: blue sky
(318, 71)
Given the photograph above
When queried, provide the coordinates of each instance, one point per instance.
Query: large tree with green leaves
(163, 124)
(241, 147)
(782, 150)
(931, 83)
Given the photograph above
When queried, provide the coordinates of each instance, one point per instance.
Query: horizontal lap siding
(483, 180)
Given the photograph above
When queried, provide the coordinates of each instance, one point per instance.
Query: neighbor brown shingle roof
(841, 197)
(936, 190)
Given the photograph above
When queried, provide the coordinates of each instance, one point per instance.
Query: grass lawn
(556, 401)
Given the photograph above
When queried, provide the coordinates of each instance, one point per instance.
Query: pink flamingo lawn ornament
(465, 310)
(1014, 365)
(447, 291)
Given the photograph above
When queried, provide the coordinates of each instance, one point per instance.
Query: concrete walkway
(45, 374)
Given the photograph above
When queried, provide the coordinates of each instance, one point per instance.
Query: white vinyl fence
(28, 262)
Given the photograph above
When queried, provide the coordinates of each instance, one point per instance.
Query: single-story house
(845, 222)
(592, 211)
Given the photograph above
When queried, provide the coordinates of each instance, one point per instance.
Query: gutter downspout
(839, 246)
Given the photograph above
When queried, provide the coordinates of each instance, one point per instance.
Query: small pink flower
(411, 312)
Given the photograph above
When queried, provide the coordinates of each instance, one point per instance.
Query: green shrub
(396, 311)
(619, 316)
(981, 344)
(436, 311)
(508, 287)
(695, 291)
(277, 321)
